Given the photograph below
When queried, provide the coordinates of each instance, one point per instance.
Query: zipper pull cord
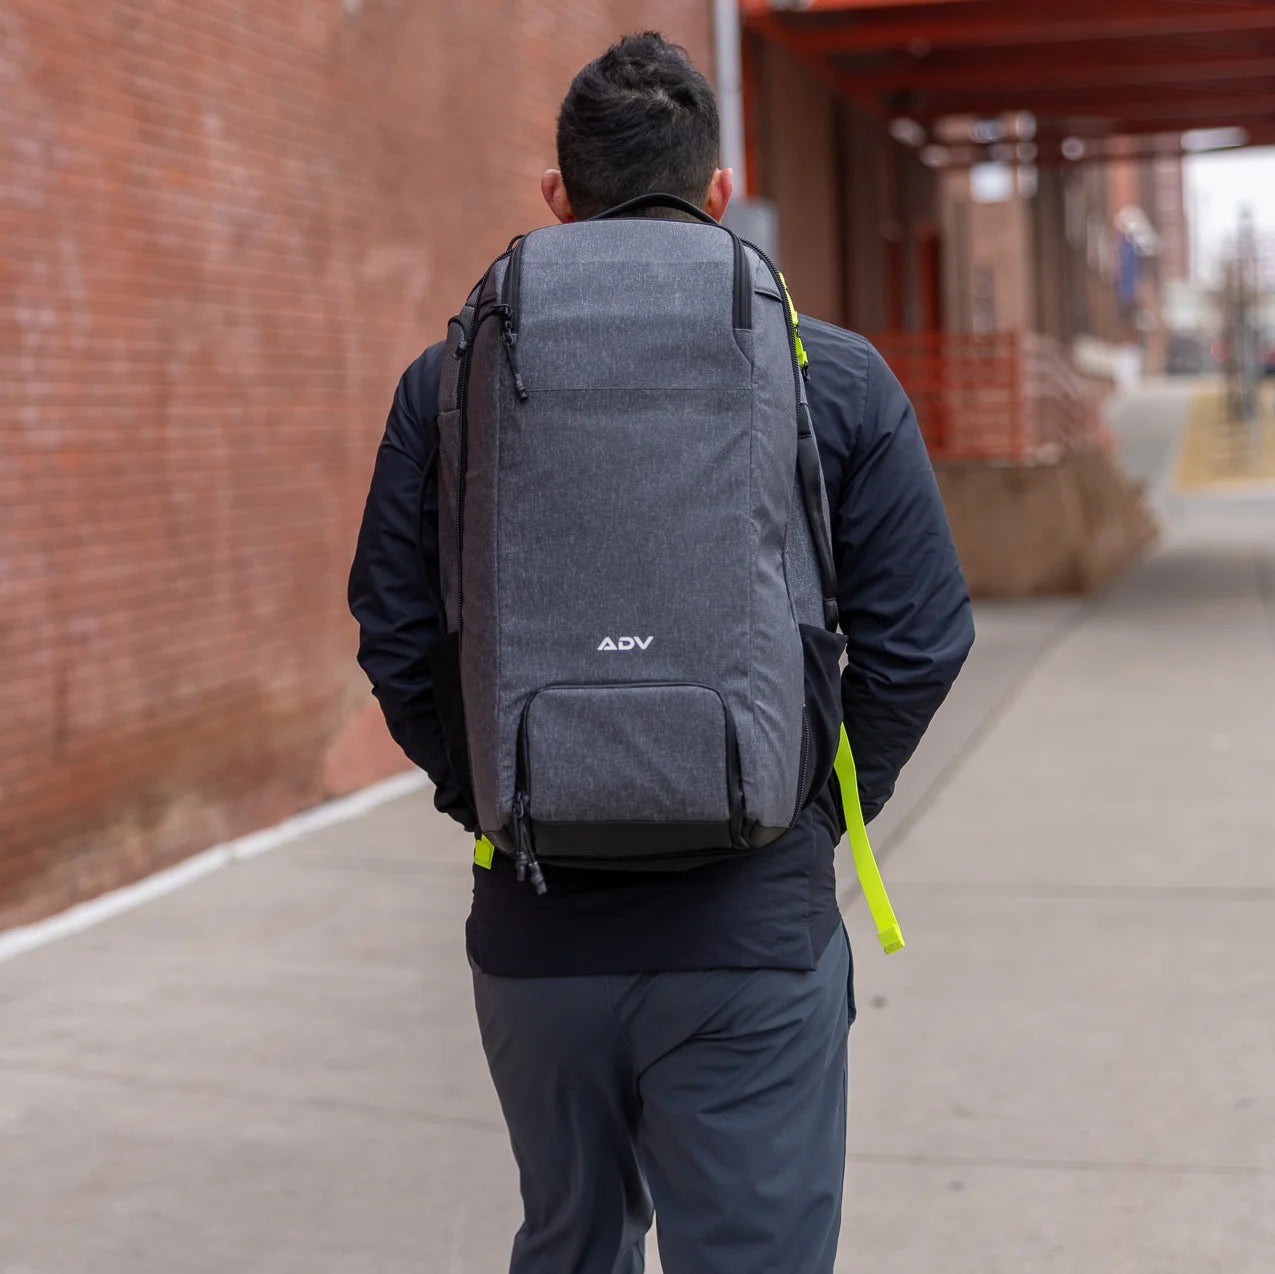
(462, 345)
(528, 865)
(537, 876)
(510, 340)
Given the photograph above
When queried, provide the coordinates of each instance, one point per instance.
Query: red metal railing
(1012, 397)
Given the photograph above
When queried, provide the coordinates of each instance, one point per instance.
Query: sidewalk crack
(1265, 571)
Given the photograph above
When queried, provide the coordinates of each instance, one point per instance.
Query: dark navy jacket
(906, 614)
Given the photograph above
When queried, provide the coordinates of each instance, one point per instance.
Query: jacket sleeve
(394, 588)
(905, 608)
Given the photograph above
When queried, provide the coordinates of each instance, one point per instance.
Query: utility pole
(1240, 310)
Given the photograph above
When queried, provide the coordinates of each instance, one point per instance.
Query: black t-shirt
(774, 908)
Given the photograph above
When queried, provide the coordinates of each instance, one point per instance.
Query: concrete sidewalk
(1071, 1068)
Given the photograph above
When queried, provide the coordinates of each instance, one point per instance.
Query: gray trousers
(716, 1099)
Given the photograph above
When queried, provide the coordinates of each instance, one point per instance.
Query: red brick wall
(225, 228)
(798, 172)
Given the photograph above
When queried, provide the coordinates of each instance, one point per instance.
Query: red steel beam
(1115, 104)
(1088, 69)
(1144, 144)
(749, 7)
(1011, 22)
(1102, 89)
(781, 35)
(1133, 125)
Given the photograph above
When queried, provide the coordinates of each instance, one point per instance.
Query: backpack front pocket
(634, 771)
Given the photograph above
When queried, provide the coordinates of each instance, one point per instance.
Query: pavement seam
(93, 912)
(246, 1095)
(1063, 1165)
(1266, 592)
(996, 714)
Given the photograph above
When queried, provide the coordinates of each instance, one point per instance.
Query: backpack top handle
(656, 199)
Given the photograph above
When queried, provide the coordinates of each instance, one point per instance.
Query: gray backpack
(640, 667)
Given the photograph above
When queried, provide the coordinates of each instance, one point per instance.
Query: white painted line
(85, 915)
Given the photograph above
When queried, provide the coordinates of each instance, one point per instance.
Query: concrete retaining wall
(1025, 530)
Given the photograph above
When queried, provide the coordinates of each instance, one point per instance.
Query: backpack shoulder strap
(809, 469)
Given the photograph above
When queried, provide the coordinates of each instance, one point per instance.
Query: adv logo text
(626, 643)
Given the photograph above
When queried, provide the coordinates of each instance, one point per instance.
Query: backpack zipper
(742, 295)
(525, 859)
(462, 460)
(510, 298)
(465, 350)
(511, 290)
(805, 764)
(510, 339)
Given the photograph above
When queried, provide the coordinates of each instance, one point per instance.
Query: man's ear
(555, 194)
(720, 190)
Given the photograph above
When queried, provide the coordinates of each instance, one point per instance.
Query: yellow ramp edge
(1218, 454)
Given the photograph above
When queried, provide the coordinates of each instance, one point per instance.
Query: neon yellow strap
(484, 852)
(802, 359)
(865, 863)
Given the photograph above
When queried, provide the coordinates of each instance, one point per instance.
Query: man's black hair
(639, 118)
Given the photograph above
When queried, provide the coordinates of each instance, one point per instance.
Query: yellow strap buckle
(802, 358)
(484, 852)
(888, 931)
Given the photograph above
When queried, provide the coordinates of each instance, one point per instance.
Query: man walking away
(599, 549)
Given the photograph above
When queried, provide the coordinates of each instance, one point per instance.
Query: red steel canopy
(1084, 69)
